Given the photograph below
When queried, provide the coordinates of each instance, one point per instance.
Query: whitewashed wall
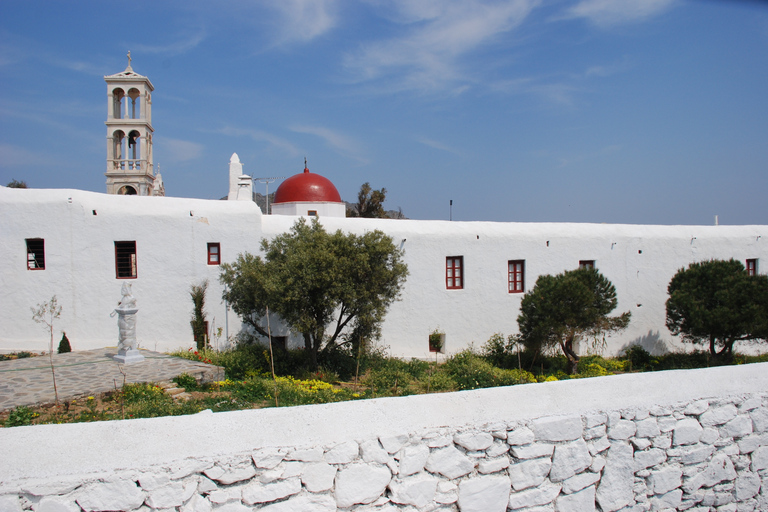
(680, 440)
(172, 235)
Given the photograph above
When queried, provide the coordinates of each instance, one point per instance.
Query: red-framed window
(516, 276)
(125, 260)
(586, 263)
(214, 253)
(35, 254)
(752, 267)
(454, 272)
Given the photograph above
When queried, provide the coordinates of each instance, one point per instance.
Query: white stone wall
(683, 440)
(172, 235)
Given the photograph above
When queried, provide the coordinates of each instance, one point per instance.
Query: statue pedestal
(128, 356)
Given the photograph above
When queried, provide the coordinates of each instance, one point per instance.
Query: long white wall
(172, 235)
(684, 440)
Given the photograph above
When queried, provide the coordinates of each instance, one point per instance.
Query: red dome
(307, 187)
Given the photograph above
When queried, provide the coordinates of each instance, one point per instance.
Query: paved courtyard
(28, 381)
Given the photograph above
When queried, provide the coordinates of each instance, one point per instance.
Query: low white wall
(695, 439)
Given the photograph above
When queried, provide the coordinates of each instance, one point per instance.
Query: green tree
(370, 203)
(47, 313)
(199, 331)
(562, 309)
(332, 288)
(717, 303)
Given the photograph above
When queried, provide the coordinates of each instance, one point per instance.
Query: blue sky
(616, 111)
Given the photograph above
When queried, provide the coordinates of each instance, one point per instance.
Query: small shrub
(639, 358)
(64, 345)
(20, 417)
(186, 381)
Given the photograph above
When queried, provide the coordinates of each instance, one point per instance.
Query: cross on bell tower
(130, 170)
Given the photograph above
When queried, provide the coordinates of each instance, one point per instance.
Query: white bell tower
(130, 170)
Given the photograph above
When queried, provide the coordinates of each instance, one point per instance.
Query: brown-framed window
(516, 276)
(125, 260)
(312, 213)
(586, 263)
(752, 267)
(454, 272)
(214, 253)
(35, 254)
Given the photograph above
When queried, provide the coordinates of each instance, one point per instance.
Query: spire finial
(129, 62)
(306, 169)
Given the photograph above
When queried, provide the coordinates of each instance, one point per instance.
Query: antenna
(267, 181)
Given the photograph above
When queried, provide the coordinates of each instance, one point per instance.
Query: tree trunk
(570, 355)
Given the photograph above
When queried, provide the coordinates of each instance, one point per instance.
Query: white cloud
(341, 143)
(180, 150)
(262, 136)
(304, 20)
(438, 145)
(437, 35)
(177, 47)
(615, 12)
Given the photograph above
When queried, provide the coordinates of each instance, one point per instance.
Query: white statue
(127, 346)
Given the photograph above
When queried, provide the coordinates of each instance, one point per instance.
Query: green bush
(20, 416)
(64, 345)
(186, 381)
(470, 371)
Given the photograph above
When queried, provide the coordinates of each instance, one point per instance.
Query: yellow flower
(90, 398)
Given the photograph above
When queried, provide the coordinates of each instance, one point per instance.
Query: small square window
(586, 263)
(214, 254)
(312, 213)
(454, 277)
(125, 260)
(515, 276)
(752, 267)
(35, 254)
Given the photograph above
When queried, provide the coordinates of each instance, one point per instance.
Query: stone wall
(694, 440)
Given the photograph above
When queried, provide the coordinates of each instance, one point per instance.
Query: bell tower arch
(130, 170)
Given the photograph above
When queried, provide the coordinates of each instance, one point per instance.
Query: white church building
(466, 279)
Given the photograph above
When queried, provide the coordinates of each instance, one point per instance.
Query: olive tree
(562, 309)
(332, 288)
(717, 303)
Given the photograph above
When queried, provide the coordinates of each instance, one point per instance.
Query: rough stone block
(361, 483)
(615, 488)
(449, 462)
(10, 503)
(342, 453)
(306, 503)
(594, 432)
(696, 408)
(318, 476)
(197, 504)
(152, 481)
(120, 495)
(670, 500)
(557, 428)
(306, 455)
(647, 428)
(570, 459)
(520, 436)
(750, 403)
(416, 490)
(393, 444)
(662, 442)
(760, 459)
(533, 451)
(649, 458)
(372, 451)
(599, 446)
(593, 420)
(759, 420)
(484, 494)
(171, 495)
(51, 504)
(542, 495)
(530, 473)
(581, 501)
(641, 444)
(666, 479)
(751, 443)
(687, 431)
(747, 486)
(234, 507)
(739, 426)
(622, 430)
(440, 442)
(719, 469)
(666, 423)
(412, 459)
(258, 492)
(718, 415)
(489, 466)
(497, 449)
(579, 482)
(473, 441)
(267, 458)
